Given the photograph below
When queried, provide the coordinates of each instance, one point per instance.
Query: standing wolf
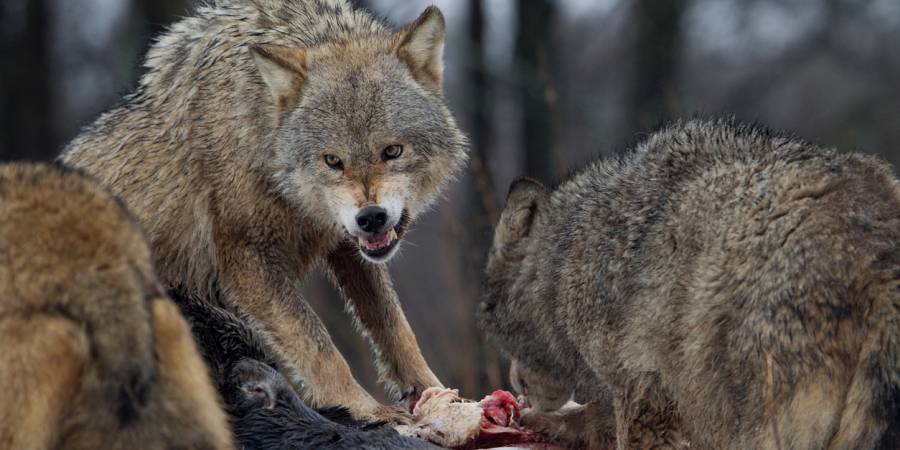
(271, 136)
(749, 279)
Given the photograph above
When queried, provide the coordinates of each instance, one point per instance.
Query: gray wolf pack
(719, 286)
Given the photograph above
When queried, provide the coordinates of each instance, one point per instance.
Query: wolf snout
(372, 219)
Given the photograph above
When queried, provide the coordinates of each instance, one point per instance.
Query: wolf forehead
(357, 93)
(357, 109)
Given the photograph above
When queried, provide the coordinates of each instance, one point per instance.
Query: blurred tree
(26, 130)
(483, 364)
(480, 105)
(532, 65)
(656, 50)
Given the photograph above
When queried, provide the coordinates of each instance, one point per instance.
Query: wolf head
(518, 311)
(512, 238)
(510, 247)
(526, 199)
(364, 140)
(514, 312)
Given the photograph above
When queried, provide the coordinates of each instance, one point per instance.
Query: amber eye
(334, 162)
(392, 152)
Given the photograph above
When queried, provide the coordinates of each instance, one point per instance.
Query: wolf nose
(371, 219)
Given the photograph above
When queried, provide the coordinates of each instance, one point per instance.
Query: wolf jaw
(380, 244)
(381, 247)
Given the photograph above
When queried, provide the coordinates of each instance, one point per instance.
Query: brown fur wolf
(92, 354)
(746, 278)
(269, 137)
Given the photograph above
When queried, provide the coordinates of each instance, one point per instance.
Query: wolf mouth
(380, 245)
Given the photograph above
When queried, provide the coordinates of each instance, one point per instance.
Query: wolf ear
(421, 47)
(284, 70)
(526, 196)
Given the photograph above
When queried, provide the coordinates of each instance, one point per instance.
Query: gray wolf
(747, 278)
(93, 353)
(268, 138)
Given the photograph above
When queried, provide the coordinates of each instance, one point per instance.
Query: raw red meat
(493, 423)
(500, 426)
(500, 408)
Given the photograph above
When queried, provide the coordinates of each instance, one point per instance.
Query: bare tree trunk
(481, 104)
(485, 365)
(26, 128)
(535, 18)
(656, 50)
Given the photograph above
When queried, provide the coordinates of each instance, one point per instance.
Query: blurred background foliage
(540, 86)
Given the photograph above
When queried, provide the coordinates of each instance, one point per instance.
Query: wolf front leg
(270, 295)
(371, 297)
(646, 417)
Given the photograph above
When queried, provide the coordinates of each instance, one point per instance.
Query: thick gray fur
(751, 278)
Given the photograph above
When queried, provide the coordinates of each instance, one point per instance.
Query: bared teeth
(378, 241)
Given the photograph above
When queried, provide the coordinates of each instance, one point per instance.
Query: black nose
(371, 219)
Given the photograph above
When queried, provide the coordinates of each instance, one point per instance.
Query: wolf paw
(549, 424)
(390, 414)
(568, 426)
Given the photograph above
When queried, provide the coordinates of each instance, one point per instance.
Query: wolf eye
(334, 162)
(392, 152)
